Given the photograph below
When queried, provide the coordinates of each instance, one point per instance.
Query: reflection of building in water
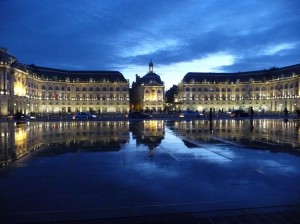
(18, 140)
(262, 132)
(149, 133)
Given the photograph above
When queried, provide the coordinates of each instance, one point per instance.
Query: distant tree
(171, 93)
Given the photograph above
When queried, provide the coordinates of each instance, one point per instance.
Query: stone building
(147, 92)
(30, 88)
(267, 90)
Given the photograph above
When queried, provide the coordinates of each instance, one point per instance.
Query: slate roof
(57, 74)
(150, 78)
(262, 75)
(6, 57)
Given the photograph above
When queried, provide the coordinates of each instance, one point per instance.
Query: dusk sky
(179, 36)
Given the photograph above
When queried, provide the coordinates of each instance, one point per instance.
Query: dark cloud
(117, 34)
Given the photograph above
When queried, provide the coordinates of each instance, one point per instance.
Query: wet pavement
(146, 171)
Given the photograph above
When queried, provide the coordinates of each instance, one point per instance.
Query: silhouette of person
(251, 112)
(286, 112)
(297, 113)
(210, 114)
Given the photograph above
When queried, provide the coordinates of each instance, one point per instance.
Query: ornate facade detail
(268, 90)
(33, 89)
(147, 93)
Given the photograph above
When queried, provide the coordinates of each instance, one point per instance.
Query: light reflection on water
(18, 140)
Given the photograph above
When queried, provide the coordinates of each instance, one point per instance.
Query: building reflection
(17, 140)
(259, 133)
(149, 133)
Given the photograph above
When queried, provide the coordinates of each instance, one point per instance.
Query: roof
(50, 73)
(263, 75)
(6, 57)
(149, 78)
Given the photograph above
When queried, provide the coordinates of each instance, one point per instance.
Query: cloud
(173, 73)
(272, 50)
(124, 35)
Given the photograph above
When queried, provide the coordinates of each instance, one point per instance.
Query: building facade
(33, 89)
(148, 92)
(265, 91)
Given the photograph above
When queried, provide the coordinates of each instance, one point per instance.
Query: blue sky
(179, 36)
